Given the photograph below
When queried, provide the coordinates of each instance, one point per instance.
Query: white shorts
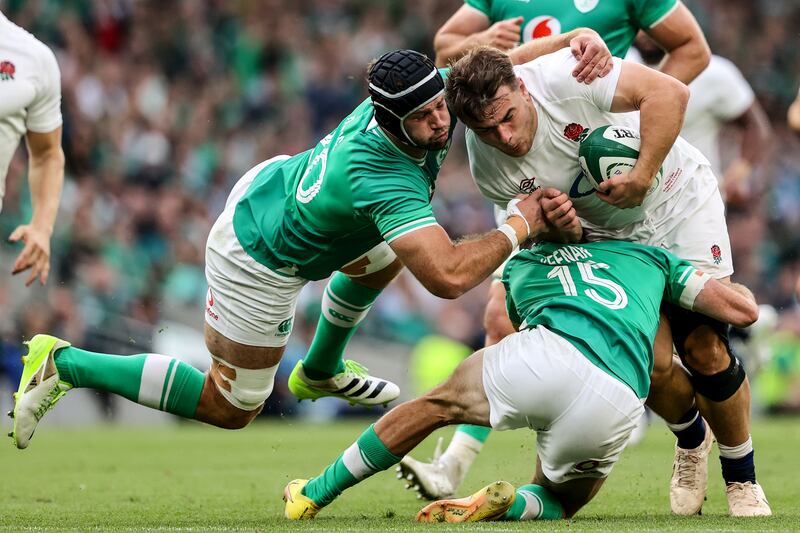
(247, 302)
(691, 225)
(582, 416)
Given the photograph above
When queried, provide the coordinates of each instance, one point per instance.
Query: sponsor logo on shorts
(210, 304)
(7, 70)
(716, 253)
(528, 185)
(583, 466)
(284, 328)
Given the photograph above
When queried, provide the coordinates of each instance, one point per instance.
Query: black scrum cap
(401, 82)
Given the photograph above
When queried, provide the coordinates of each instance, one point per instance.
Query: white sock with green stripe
(345, 303)
(154, 380)
(363, 458)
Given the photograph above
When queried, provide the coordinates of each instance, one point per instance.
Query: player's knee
(706, 352)
(244, 390)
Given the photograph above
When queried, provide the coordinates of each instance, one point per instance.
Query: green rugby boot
(39, 388)
(354, 385)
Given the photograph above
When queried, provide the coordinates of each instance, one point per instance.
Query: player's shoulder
(547, 63)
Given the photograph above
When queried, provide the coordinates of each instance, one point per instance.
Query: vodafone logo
(543, 26)
(210, 304)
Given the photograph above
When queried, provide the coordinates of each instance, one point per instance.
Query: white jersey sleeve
(559, 86)
(44, 113)
(737, 96)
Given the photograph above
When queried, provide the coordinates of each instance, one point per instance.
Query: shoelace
(687, 470)
(748, 492)
(355, 368)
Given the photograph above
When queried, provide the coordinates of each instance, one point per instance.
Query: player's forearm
(687, 61)
(46, 178)
(661, 115)
(727, 302)
(544, 45)
(451, 46)
(472, 261)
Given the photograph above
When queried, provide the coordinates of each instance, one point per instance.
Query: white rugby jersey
(719, 94)
(30, 90)
(565, 109)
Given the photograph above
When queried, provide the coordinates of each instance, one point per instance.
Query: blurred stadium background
(166, 104)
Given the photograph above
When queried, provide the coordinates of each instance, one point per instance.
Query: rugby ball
(608, 151)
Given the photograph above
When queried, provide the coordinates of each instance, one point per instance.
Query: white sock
(460, 454)
(736, 452)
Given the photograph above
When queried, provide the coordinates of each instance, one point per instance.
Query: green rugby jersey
(602, 297)
(617, 21)
(313, 213)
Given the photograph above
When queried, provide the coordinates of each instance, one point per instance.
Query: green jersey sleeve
(484, 6)
(394, 195)
(684, 282)
(648, 13)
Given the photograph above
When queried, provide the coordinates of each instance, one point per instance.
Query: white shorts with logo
(582, 416)
(691, 225)
(247, 302)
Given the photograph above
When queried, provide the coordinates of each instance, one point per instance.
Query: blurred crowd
(166, 104)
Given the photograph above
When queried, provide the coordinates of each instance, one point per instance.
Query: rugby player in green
(505, 23)
(356, 206)
(577, 372)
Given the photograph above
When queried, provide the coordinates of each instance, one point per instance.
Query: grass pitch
(195, 478)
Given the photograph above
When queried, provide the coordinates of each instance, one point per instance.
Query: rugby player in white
(721, 98)
(526, 125)
(30, 105)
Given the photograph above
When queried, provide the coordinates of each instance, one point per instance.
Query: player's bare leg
(442, 477)
(723, 396)
(460, 399)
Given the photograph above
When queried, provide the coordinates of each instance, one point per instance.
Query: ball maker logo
(7, 70)
(716, 253)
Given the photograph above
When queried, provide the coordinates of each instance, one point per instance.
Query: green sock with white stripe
(363, 458)
(534, 502)
(345, 303)
(153, 380)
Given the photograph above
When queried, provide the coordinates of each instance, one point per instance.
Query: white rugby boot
(689, 484)
(747, 499)
(433, 481)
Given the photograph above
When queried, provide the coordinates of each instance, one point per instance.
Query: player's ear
(522, 88)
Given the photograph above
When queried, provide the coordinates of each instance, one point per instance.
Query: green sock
(153, 380)
(534, 502)
(345, 303)
(363, 458)
(479, 433)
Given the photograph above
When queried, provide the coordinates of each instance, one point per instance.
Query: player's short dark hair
(474, 80)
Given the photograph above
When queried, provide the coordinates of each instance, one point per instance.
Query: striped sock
(363, 458)
(534, 502)
(153, 380)
(345, 303)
